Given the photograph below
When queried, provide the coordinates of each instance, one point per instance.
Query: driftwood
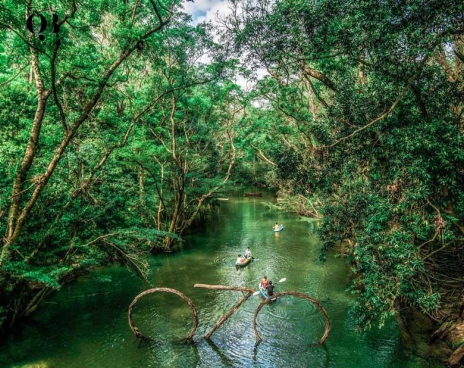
(224, 287)
(137, 332)
(456, 357)
(298, 295)
(234, 308)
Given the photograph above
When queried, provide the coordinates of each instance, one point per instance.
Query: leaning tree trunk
(23, 199)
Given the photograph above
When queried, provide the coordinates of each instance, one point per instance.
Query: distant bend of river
(85, 324)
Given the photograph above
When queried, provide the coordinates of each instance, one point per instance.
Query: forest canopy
(119, 128)
(113, 138)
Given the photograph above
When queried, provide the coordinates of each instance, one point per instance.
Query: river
(85, 324)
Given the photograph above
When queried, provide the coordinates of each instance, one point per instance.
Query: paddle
(281, 280)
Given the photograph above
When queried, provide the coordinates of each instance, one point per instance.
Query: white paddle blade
(282, 280)
(256, 292)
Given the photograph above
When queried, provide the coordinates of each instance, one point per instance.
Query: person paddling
(270, 289)
(264, 283)
(276, 226)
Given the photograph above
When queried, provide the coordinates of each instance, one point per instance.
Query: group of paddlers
(265, 284)
(241, 259)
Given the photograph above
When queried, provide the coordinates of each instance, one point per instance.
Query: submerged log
(137, 332)
(298, 295)
(226, 316)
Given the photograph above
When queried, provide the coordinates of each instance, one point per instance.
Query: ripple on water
(220, 260)
(299, 321)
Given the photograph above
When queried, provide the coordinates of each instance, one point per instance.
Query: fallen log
(457, 355)
(224, 287)
(226, 316)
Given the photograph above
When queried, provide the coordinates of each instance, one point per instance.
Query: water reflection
(220, 353)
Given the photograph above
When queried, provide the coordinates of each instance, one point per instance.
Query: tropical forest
(232, 183)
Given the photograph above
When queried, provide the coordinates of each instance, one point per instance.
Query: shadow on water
(327, 355)
(219, 352)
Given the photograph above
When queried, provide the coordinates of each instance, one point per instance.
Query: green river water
(85, 324)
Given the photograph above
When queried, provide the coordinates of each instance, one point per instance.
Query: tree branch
(389, 110)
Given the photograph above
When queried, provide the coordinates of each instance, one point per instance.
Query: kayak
(244, 263)
(281, 227)
(263, 293)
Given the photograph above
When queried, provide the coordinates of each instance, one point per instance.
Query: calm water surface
(85, 324)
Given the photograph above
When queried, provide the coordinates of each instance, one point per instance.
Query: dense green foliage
(366, 105)
(112, 140)
(115, 138)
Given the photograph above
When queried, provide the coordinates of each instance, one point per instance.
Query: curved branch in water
(301, 296)
(137, 332)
